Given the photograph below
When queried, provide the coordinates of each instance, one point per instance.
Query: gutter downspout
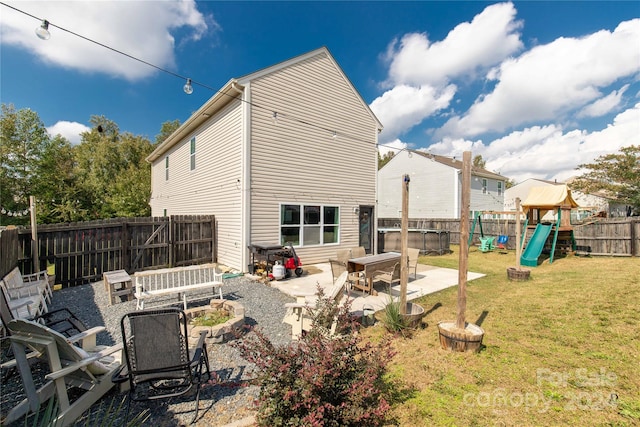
(245, 184)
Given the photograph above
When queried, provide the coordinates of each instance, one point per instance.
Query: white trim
(245, 185)
(301, 225)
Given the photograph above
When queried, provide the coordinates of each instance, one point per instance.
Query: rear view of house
(285, 154)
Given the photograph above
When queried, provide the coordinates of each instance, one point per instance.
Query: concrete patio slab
(429, 279)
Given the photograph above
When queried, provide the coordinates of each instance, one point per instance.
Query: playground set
(548, 213)
(489, 243)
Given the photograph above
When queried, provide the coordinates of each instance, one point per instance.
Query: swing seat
(486, 244)
(502, 241)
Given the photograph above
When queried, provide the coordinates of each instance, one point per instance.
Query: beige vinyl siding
(299, 163)
(214, 187)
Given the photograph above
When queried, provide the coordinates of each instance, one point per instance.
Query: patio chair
(298, 315)
(88, 368)
(159, 363)
(389, 276)
(343, 255)
(26, 303)
(62, 321)
(19, 283)
(414, 254)
(338, 267)
(358, 252)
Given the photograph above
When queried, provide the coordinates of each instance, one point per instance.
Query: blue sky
(536, 88)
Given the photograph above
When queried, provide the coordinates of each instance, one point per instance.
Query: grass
(211, 318)
(559, 349)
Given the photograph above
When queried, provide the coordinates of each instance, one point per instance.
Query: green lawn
(562, 348)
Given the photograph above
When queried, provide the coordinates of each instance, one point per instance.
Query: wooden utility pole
(518, 234)
(404, 244)
(464, 237)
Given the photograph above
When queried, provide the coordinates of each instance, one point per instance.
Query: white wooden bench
(183, 282)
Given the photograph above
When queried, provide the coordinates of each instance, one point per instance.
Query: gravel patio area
(229, 401)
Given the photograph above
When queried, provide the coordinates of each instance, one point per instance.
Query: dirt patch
(311, 270)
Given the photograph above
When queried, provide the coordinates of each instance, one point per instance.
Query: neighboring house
(288, 153)
(589, 204)
(435, 187)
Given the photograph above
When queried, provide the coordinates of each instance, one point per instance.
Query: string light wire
(275, 115)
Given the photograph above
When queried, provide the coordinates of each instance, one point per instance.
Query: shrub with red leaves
(323, 379)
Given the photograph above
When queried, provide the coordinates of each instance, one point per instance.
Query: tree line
(104, 176)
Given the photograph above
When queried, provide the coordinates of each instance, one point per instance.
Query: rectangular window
(193, 153)
(166, 168)
(484, 186)
(164, 212)
(309, 225)
(499, 188)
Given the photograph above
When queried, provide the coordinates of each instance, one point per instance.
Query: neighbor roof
(457, 164)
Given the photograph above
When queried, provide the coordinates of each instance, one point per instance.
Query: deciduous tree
(23, 141)
(618, 174)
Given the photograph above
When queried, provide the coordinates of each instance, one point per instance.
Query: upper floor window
(166, 168)
(193, 153)
(307, 225)
(499, 188)
(484, 186)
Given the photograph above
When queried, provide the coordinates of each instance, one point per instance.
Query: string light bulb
(335, 135)
(43, 31)
(188, 89)
(275, 117)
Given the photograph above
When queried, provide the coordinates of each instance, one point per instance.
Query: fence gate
(81, 252)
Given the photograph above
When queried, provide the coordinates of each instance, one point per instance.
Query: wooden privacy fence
(611, 237)
(82, 251)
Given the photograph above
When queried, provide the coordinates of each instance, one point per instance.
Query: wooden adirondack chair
(297, 312)
(88, 367)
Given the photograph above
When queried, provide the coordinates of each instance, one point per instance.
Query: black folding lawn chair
(158, 362)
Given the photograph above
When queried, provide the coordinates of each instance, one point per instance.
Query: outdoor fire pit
(218, 333)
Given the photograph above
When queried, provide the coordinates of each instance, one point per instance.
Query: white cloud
(547, 152)
(403, 107)
(420, 71)
(552, 80)
(142, 29)
(485, 41)
(393, 147)
(603, 105)
(69, 130)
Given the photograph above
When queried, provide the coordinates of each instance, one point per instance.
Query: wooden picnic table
(369, 265)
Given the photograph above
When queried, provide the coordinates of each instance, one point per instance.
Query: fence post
(125, 260)
(171, 241)
(632, 234)
(214, 240)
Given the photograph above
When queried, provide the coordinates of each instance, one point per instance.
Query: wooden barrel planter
(415, 313)
(518, 274)
(456, 339)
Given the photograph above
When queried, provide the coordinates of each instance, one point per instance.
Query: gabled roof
(233, 89)
(543, 181)
(457, 164)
